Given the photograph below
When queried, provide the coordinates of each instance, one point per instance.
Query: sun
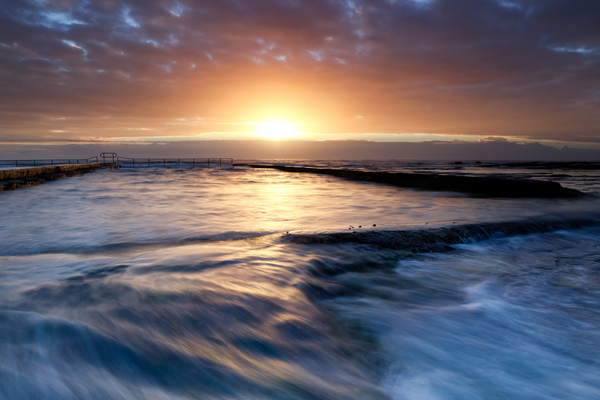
(277, 130)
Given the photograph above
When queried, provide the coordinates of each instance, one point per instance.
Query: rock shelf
(17, 178)
(481, 186)
(428, 240)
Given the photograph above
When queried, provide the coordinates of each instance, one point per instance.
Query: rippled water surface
(175, 283)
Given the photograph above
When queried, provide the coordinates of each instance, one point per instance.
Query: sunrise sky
(111, 72)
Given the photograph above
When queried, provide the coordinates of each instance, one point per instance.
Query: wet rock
(440, 239)
(481, 186)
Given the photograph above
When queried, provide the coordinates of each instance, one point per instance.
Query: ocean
(193, 283)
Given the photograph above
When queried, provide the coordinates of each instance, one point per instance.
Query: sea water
(181, 283)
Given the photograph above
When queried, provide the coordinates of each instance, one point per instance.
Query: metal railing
(47, 162)
(157, 162)
(121, 161)
(111, 156)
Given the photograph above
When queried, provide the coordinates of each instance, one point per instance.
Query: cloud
(479, 67)
(494, 139)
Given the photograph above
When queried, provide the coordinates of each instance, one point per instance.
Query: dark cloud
(77, 70)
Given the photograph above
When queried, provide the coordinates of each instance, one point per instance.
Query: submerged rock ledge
(483, 186)
(566, 165)
(16, 178)
(440, 239)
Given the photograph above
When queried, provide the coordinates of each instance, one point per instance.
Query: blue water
(178, 283)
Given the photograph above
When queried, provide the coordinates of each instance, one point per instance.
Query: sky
(112, 73)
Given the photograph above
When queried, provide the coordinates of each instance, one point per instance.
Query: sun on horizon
(277, 130)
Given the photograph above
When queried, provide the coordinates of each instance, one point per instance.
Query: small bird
(426, 223)
(360, 226)
(374, 224)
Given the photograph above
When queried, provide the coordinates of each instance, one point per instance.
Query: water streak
(179, 283)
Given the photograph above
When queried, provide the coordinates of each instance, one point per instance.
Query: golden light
(277, 130)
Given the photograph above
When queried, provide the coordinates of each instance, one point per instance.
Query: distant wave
(134, 246)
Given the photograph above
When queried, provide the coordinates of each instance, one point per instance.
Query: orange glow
(277, 130)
